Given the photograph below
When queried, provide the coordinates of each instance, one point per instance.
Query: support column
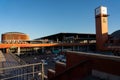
(18, 50)
(43, 50)
(57, 40)
(52, 48)
(88, 46)
(73, 48)
(7, 50)
(78, 48)
(62, 48)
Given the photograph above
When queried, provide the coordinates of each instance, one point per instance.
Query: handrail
(69, 69)
(2, 57)
(23, 69)
(20, 61)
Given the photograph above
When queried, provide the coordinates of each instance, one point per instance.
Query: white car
(44, 62)
(63, 60)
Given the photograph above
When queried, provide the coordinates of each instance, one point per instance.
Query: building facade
(14, 37)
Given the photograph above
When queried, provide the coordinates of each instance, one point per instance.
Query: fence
(23, 72)
(20, 61)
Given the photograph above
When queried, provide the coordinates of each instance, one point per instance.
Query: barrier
(23, 72)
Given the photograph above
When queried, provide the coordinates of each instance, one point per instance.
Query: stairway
(75, 72)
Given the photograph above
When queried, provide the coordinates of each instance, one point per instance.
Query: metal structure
(23, 72)
(45, 44)
(14, 68)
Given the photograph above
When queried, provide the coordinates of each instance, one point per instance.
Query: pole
(33, 72)
(42, 75)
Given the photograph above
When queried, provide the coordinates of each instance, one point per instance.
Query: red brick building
(14, 37)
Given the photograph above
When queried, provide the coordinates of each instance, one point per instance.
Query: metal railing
(23, 72)
(20, 61)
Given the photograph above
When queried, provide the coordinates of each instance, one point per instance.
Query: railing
(2, 57)
(20, 61)
(112, 44)
(23, 72)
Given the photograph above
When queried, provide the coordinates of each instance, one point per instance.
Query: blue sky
(39, 18)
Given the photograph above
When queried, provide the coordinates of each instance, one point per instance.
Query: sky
(39, 18)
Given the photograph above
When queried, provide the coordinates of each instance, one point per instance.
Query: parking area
(49, 60)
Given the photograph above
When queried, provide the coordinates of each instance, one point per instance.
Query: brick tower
(101, 18)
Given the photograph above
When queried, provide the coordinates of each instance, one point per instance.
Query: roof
(115, 35)
(14, 33)
(62, 35)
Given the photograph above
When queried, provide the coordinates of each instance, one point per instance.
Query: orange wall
(14, 37)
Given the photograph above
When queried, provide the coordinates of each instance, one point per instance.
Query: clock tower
(101, 19)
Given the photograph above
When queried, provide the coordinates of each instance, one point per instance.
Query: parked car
(63, 60)
(44, 62)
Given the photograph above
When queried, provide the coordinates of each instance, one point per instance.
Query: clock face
(97, 11)
(101, 10)
(104, 10)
